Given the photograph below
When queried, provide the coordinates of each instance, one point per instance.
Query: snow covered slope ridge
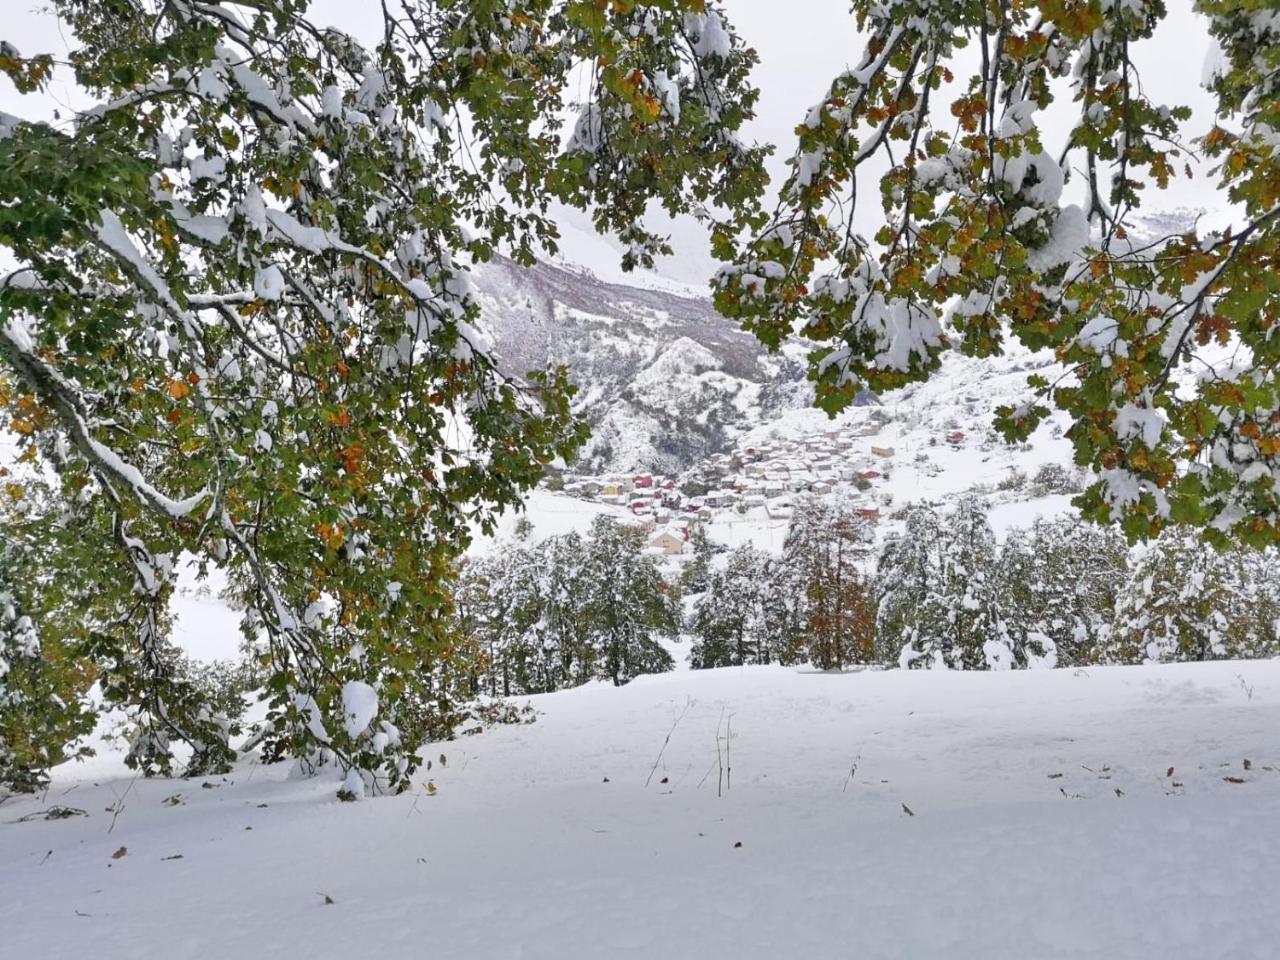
(663, 379)
(1121, 813)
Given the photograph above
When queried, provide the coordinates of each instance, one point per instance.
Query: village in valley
(758, 481)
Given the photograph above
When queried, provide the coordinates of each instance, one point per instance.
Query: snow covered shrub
(1054, 478)
(1015, 479)
(241, 326)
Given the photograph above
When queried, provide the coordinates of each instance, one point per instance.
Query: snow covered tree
(562, 628)
(908, 575)
(1057, 585)
(629, 605)
(996, 226)
(558, 613)
(240, 325)
(729, 623)
(1185, 600)
(694, 577)
(826, 545)
(939, 592)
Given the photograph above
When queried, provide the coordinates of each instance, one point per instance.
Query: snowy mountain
(664, 380)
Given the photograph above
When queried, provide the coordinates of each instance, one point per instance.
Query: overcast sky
(802, 45)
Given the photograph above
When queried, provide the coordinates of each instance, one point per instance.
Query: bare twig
(852, 770)
(675, 723)
(118, 806)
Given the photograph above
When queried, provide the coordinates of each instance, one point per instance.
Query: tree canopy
(240, 325)
(980, 242)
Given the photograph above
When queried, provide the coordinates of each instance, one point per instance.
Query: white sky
(802, 44)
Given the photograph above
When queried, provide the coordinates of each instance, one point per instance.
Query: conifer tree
(629, 604)
(1185, 600)
(1058, 583)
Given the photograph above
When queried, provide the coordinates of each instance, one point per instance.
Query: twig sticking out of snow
(688, 703)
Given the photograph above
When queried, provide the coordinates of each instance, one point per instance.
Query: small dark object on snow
(1248, 764)
(328, 900)
(53, 813)
(908, 811)
(1169, 772)
(737, 845)
(122, 852)
(176, 856)
(1119, 792)
(1234, 779)
(606, 779)
(1055, 776)
(664, 780)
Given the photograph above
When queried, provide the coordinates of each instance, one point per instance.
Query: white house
(668, 541)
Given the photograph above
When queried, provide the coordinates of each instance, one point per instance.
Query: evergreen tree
(939, 591)
(629, 605)
(563, 627)
(694, 577)
(1057, 585)
(909, 608)
(728, 622)
(1185, 600)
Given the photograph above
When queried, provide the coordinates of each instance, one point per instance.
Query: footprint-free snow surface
(1125, 812)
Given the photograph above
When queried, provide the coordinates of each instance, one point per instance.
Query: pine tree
(909, 609)
(940, 591)
(694, 577)
(728, 622)
(629, 604)
(241, 328)
(1185, 600)
(1058, 584)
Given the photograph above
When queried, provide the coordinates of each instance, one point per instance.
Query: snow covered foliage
(567, 610)
(1057, 584)
(241, 327)
(41, 682)
(749, 613)
(1188, 602)
(940, 600)
(995, 228)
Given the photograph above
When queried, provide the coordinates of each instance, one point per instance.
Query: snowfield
(1101, 813)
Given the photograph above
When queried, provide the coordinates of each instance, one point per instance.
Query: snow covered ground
(1102, 813)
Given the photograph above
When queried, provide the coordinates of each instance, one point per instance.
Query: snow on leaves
(979, 240)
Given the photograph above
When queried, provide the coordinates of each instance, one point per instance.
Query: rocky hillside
(664, 380)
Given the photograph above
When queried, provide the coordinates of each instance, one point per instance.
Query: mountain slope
(663, 379)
